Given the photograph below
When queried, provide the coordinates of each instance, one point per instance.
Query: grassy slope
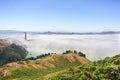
(61, 62)
(107, 69)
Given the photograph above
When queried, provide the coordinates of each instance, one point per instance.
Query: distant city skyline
(60, 15)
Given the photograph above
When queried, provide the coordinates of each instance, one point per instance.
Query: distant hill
(37, 68)
(82, 33)
(106, 69)
(9, 31)
(11, 52)
(64, 33)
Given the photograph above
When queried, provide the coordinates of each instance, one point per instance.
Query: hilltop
(37, 68)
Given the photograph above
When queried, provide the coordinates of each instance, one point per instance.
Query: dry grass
(82, 60)
(4, 43)
(44, 63)
(73, 57)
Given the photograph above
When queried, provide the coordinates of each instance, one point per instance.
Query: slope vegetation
(106, 69)
(38, 68)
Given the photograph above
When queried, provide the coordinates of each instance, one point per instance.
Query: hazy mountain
(9, 31)
(50, 32)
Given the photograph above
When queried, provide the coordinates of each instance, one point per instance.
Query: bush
(79, 53)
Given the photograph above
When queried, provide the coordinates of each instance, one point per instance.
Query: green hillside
(11, 52)
(106, 69)
(40, 68)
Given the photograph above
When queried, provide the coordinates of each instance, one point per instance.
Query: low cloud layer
(94, 46)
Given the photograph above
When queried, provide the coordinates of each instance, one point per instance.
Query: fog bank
(94, 46)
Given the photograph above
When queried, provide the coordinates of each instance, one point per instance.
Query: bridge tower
(25, 35)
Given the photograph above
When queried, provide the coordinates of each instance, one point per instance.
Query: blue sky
(60, 15)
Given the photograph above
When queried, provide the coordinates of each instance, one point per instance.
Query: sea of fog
(94, 46)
